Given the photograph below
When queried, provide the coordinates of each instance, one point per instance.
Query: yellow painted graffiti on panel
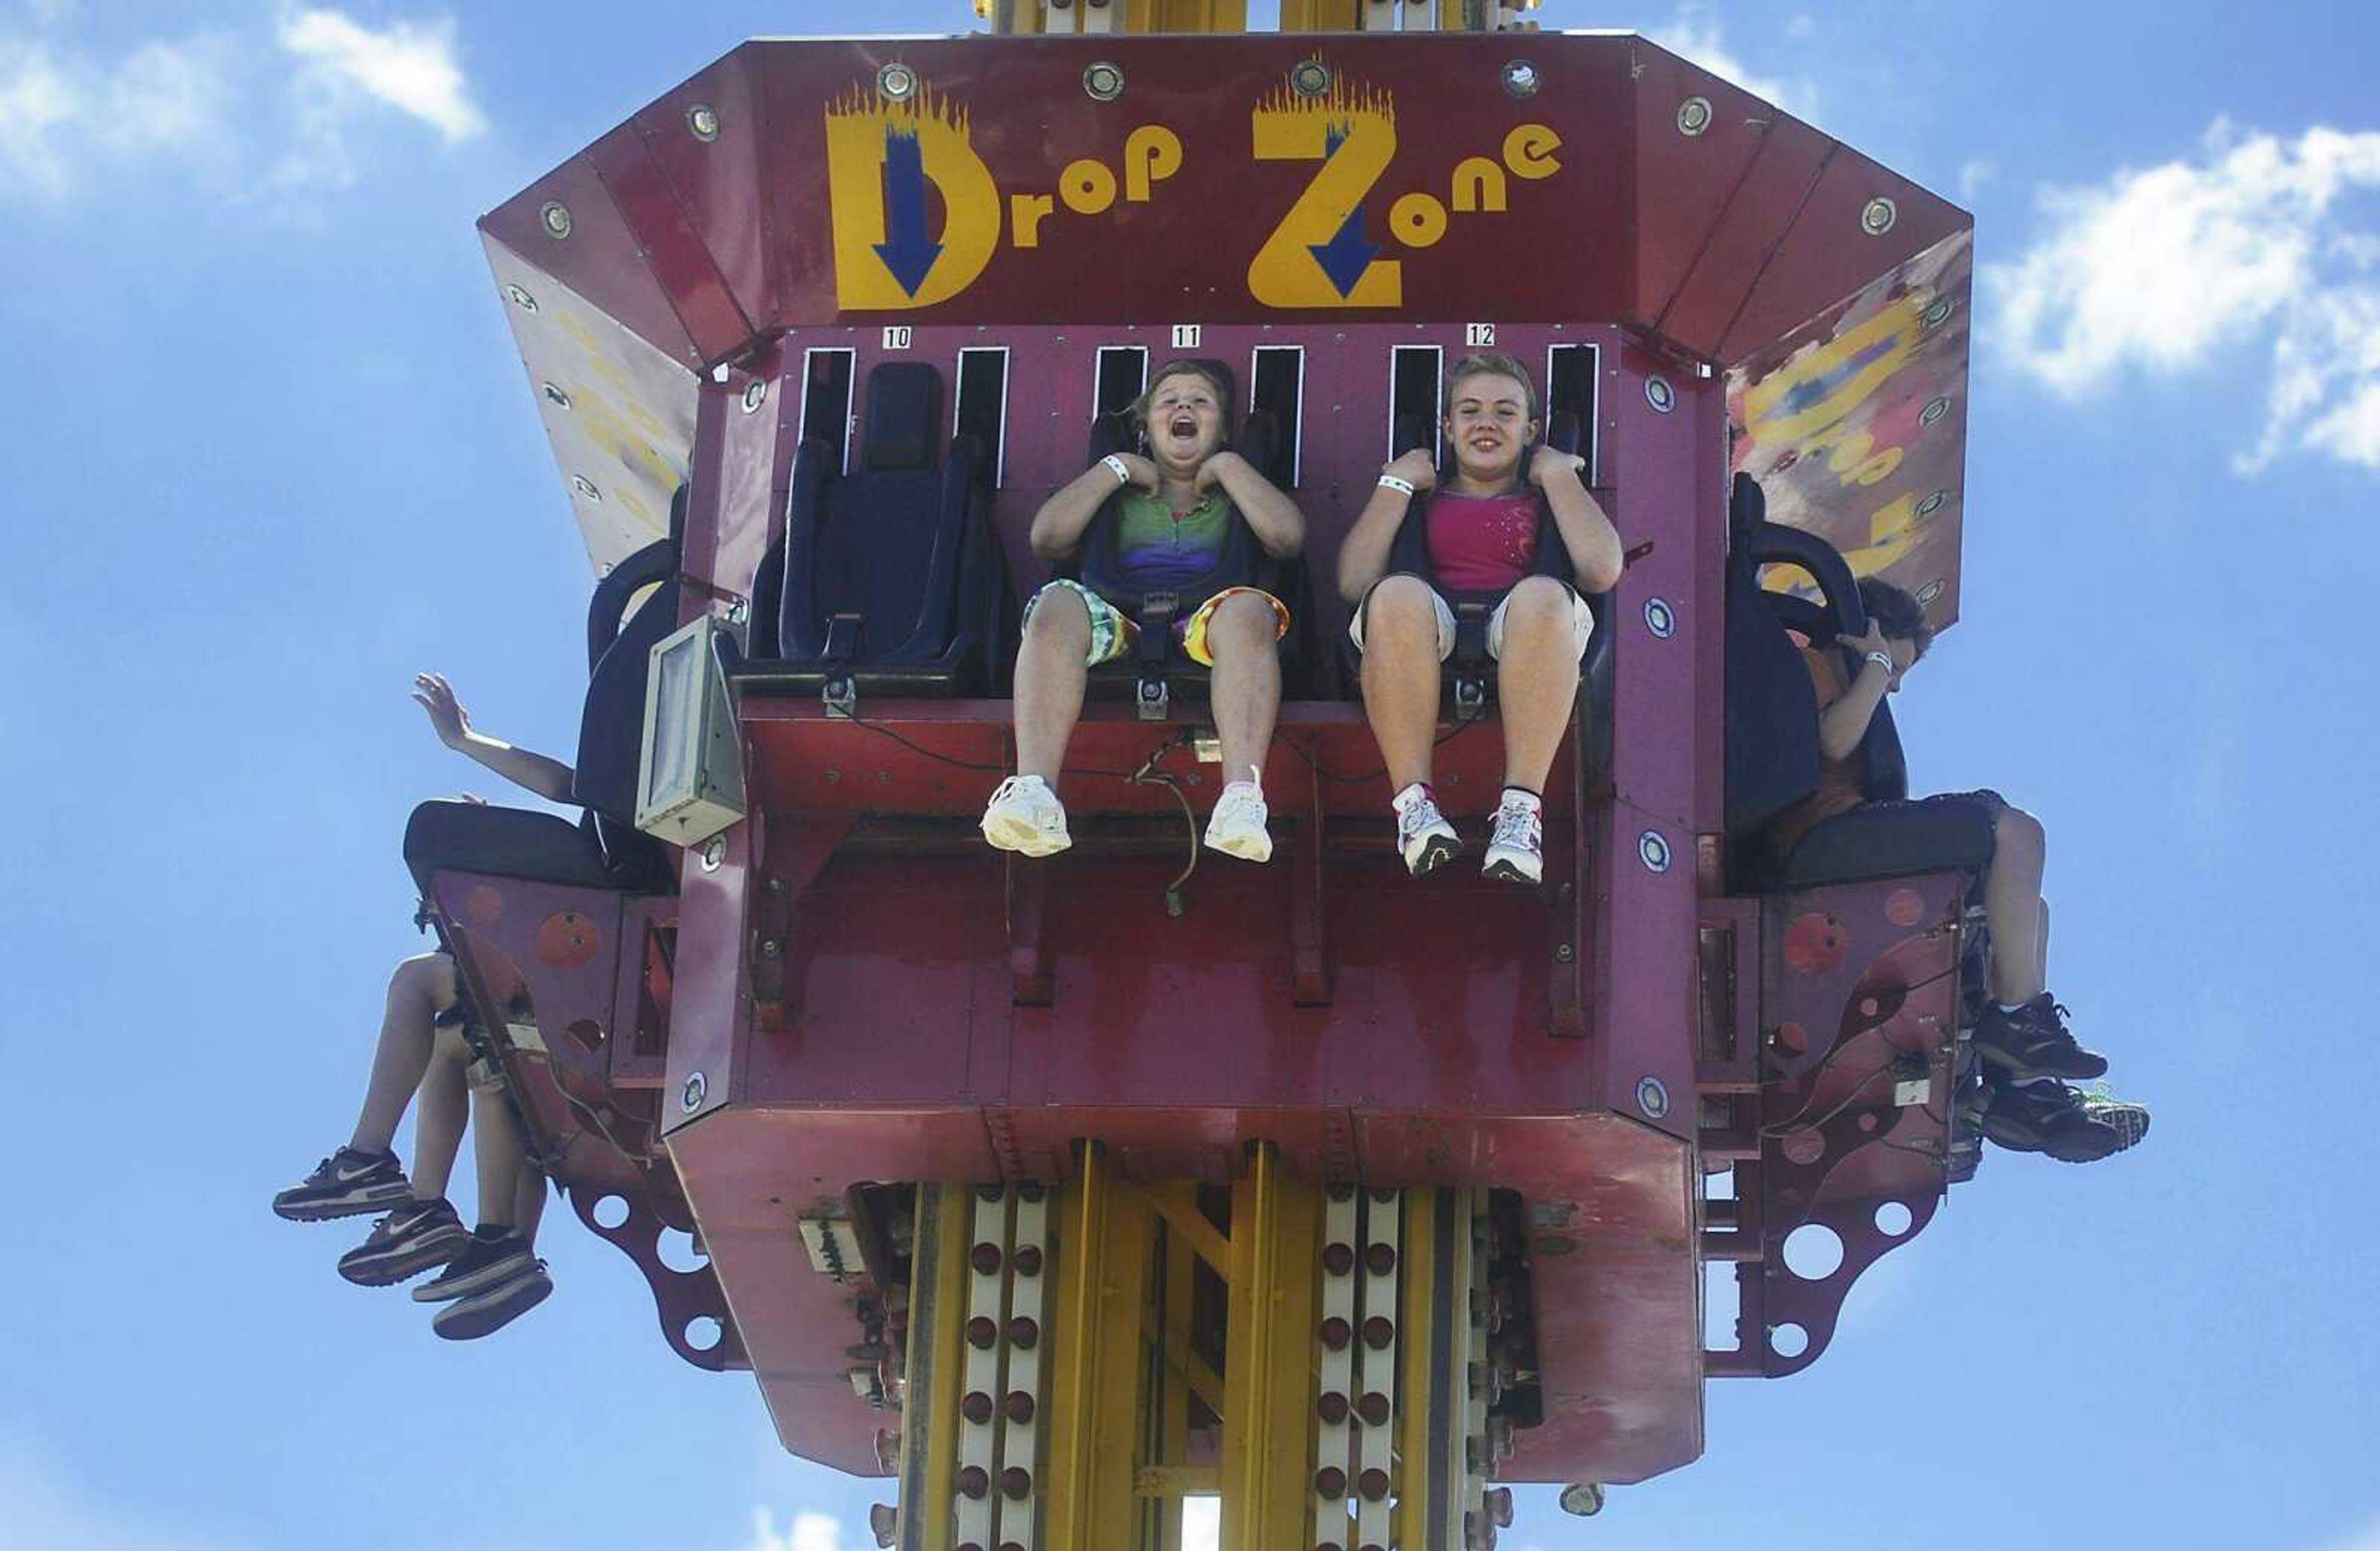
(880, 158)
(1319, 255)
(1817, 389)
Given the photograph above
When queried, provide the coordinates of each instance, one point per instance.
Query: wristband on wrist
(1115, 466)
(1389, 481)
(1882, 660)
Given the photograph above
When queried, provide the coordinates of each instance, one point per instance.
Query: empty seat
(892, 580)
(1772, 753)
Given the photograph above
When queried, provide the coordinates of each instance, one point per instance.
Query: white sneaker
(1026, 817)
(1423, 837)
(1237, 827)
(1516, 853)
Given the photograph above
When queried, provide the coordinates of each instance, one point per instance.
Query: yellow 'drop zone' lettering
(1285, 272)
(859, 130)
(1152, 155)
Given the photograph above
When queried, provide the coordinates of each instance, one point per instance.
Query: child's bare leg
(1247, 687)
(497, 1154)
(2013, 908)
(416, 991)
(439, 1113)
(1400, 676)
(1537, 679)
(1050, 679)
(529, 1203)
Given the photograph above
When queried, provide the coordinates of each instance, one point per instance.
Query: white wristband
(1882, 660)
(1389, 481)
(1116, 467)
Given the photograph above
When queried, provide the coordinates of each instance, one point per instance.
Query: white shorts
(1582, 623)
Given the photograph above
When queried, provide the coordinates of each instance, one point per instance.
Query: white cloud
(808, 1532)
(409, 66)
(218, 103)
(47, 1509)
(1694, 35)
(1973, 176)
(37, 99)
(2255, 244)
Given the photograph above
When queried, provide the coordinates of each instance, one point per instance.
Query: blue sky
(274, 454)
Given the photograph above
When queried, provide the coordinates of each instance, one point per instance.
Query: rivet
(1878, 216)
(896, 82)
(1659, 619)
(689, 1098)
(1103, 81)
(1520, 78)
(1653, 1098)
(1693, 115)
(703, 120)
(1653, 851)
(556, 217)
(1661, 396)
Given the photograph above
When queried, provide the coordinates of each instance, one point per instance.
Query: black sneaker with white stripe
(495, 1305)
(346, 1184)
(407, 1242)
(489, 1256)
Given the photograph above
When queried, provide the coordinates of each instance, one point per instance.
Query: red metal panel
(714, 180)
(668, 244)
(1828, 255)
(1682, 183)
(600, 259)
(1760, 212)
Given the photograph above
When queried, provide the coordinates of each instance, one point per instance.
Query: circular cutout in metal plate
(585, 487)
(1103, 81)
(521, 298)
(1693, 115)
(1653, 851)
(554, 216)
(756, 392)
(1652, 1098)
(1932, 503)
(1878, 216)
(702, 122)
(1929, 592)
(1935, 409)
(896, 82)
(690, 1096)
(1661, 396)
(1661, 619)
(1310, 78)
(556, 396)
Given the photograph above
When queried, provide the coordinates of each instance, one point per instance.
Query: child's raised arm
(1364, 558)
(1056, 531)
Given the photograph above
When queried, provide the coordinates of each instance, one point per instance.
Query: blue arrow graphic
(1346, 256)
(906, 252)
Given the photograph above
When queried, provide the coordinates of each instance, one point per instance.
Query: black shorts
(1951, 831)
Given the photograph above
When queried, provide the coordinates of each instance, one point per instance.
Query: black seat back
(889, 574)
(1242, 562)
(1772, 756)
(612, 725)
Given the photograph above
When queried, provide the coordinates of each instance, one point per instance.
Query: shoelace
(1519, 826)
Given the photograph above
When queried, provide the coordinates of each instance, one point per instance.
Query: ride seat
(1467, 678)
(890, 579)
(1158, 667)
(605, 849)
(1773, 757)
